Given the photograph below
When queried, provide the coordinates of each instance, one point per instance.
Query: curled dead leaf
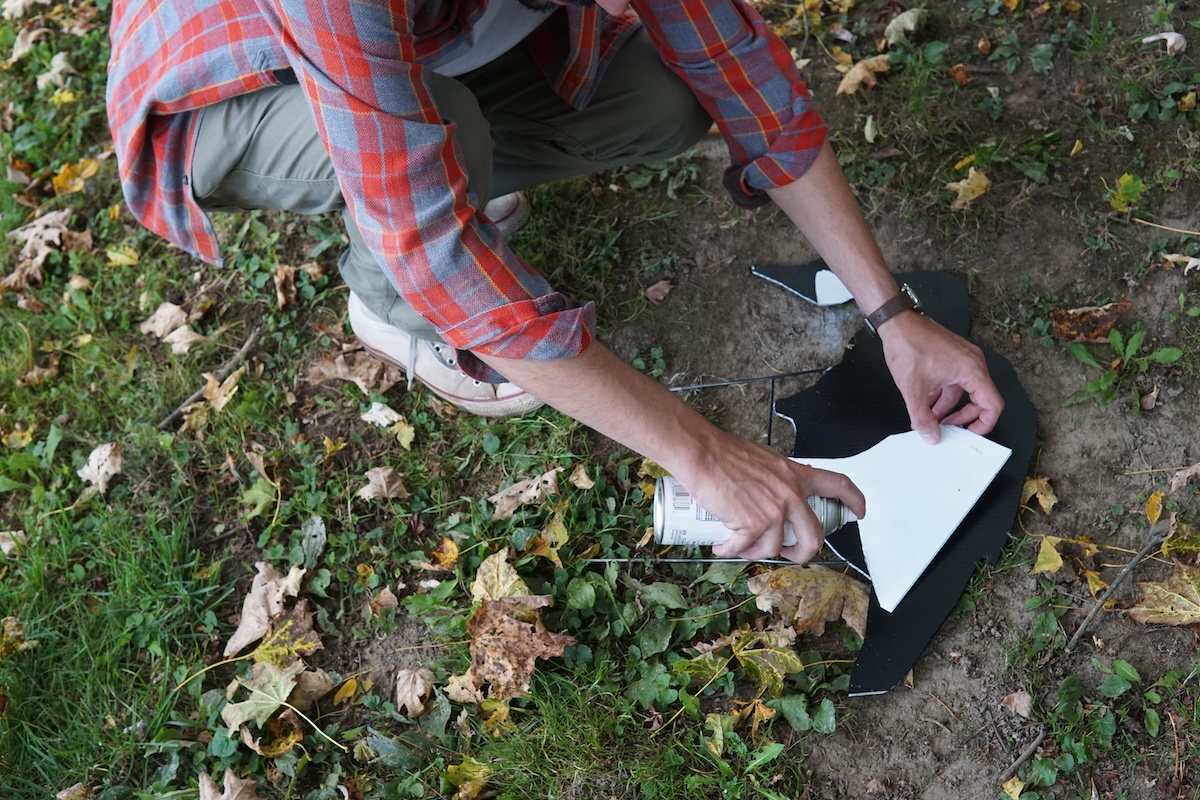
(412, 691)
(659, 291)
(383, 483)
(235, 788)
(527, 492)
(808, 597)
(217, 394)
(1039, 488)
(863, 74)
(1175, 601)
(39, 375)
(1183, 477)
(365, 371)
(278, 735)
(1019, 702)
(166, 318)
(103, 464)
(969, 189)
(1176, 42)
(183, 339)
(41, 237)
(11, 542)
(264, 601)
(961, 74)
(1088, 323)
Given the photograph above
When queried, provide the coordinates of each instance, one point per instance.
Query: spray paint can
(679, 519)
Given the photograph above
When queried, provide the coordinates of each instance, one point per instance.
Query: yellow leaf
(1048, 559)
(470, 777)
(332, 448)
(121, 256)
(1095, 585)
(71, 177)
(345, 693)
(291, 636)
(446, 554)
(279, 735)
(1175, 601)
(1154, 507)
(219, 394)
(969, 189)
(1183, 543)
(1187, 102)
(18, 439)
(844, 60)
(863, 74)
(496, 578)
(1013, 786)
(499, 719)
(404, 433)
(64, 96)
(1072, 6)
(1077, 149)
(651, 470)
(1039, 488)
(579, 478)
(965, 162)
(1011, 5)
(550, 540)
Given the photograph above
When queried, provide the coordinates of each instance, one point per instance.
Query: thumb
(925, 423)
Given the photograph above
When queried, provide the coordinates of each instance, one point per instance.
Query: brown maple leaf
(166, 318)
(362, 369)
(383, 483)
(808, 597)
(1039, 488)
(532, 491)
(41, 238)
(264, 601)
(412, 691)
(504, 648)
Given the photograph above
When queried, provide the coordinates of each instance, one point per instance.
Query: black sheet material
(854, 406)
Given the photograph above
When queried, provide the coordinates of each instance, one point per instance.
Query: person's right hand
(756, 492)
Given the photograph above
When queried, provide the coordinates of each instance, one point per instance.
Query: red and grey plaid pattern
(360, 64)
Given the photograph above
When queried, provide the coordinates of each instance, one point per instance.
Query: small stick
(1026, 754)
(224, 373)
(1154, 539)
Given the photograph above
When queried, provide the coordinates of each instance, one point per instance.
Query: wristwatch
(906, 300)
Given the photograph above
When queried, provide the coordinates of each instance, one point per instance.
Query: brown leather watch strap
(904, 301)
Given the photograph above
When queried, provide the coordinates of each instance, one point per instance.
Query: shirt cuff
(541, 329)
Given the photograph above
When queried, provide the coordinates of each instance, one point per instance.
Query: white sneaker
(435, 365)
(509, 212)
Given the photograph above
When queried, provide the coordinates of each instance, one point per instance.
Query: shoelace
(450, 362)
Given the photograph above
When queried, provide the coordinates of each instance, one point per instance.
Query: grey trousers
(262, 151)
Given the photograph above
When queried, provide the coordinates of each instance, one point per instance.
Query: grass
(131, 593)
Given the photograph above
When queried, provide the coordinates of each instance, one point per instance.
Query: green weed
(1118, 375)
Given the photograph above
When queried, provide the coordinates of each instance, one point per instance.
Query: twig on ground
(225, 371)
(1154, 540)
(1026, 754)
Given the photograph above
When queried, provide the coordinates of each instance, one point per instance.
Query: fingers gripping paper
(917, 495)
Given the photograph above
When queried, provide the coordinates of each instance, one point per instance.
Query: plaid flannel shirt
(403, 179)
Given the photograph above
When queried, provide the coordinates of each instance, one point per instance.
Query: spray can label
(680, 520)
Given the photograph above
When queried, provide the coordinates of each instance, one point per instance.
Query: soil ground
(949, 736)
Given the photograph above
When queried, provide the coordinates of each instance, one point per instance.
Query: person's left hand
(934, 368)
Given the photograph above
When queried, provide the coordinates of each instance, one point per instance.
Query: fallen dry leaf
(39, 375)
(264, 601)
(1039, 488)
(412, 691)
(289, 636)
(504, 648)
(71, 178)
(1182, 543)
(498, 720)
(166, 318)
(471, 778)
(79, 791)
(183, 339)
(269, 687)
(1176, 42)
(1183, 477)
(385, 598)
(1014, 785)
(381, 414)
(808, 597)
(659, 291)
(41, 238)
(19, 8)
(1088, 323)
(497, 579)
(464, 689)
(12, 638)
(217, 394)
(1048, 559)
(551, 539)
(863, 74)
(60, 67)
(961, 74)
(235, 788)
(445, 555)
(365, 371)
(279, 734)
(1019, 702)
(1175, 601)
(11, 542)
(1154, 507)
(580, 480)
(103, 464)
(903, 24)
(26, 39)
(969, 189)
(527, 492)
(311, 686)
(383, 483)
